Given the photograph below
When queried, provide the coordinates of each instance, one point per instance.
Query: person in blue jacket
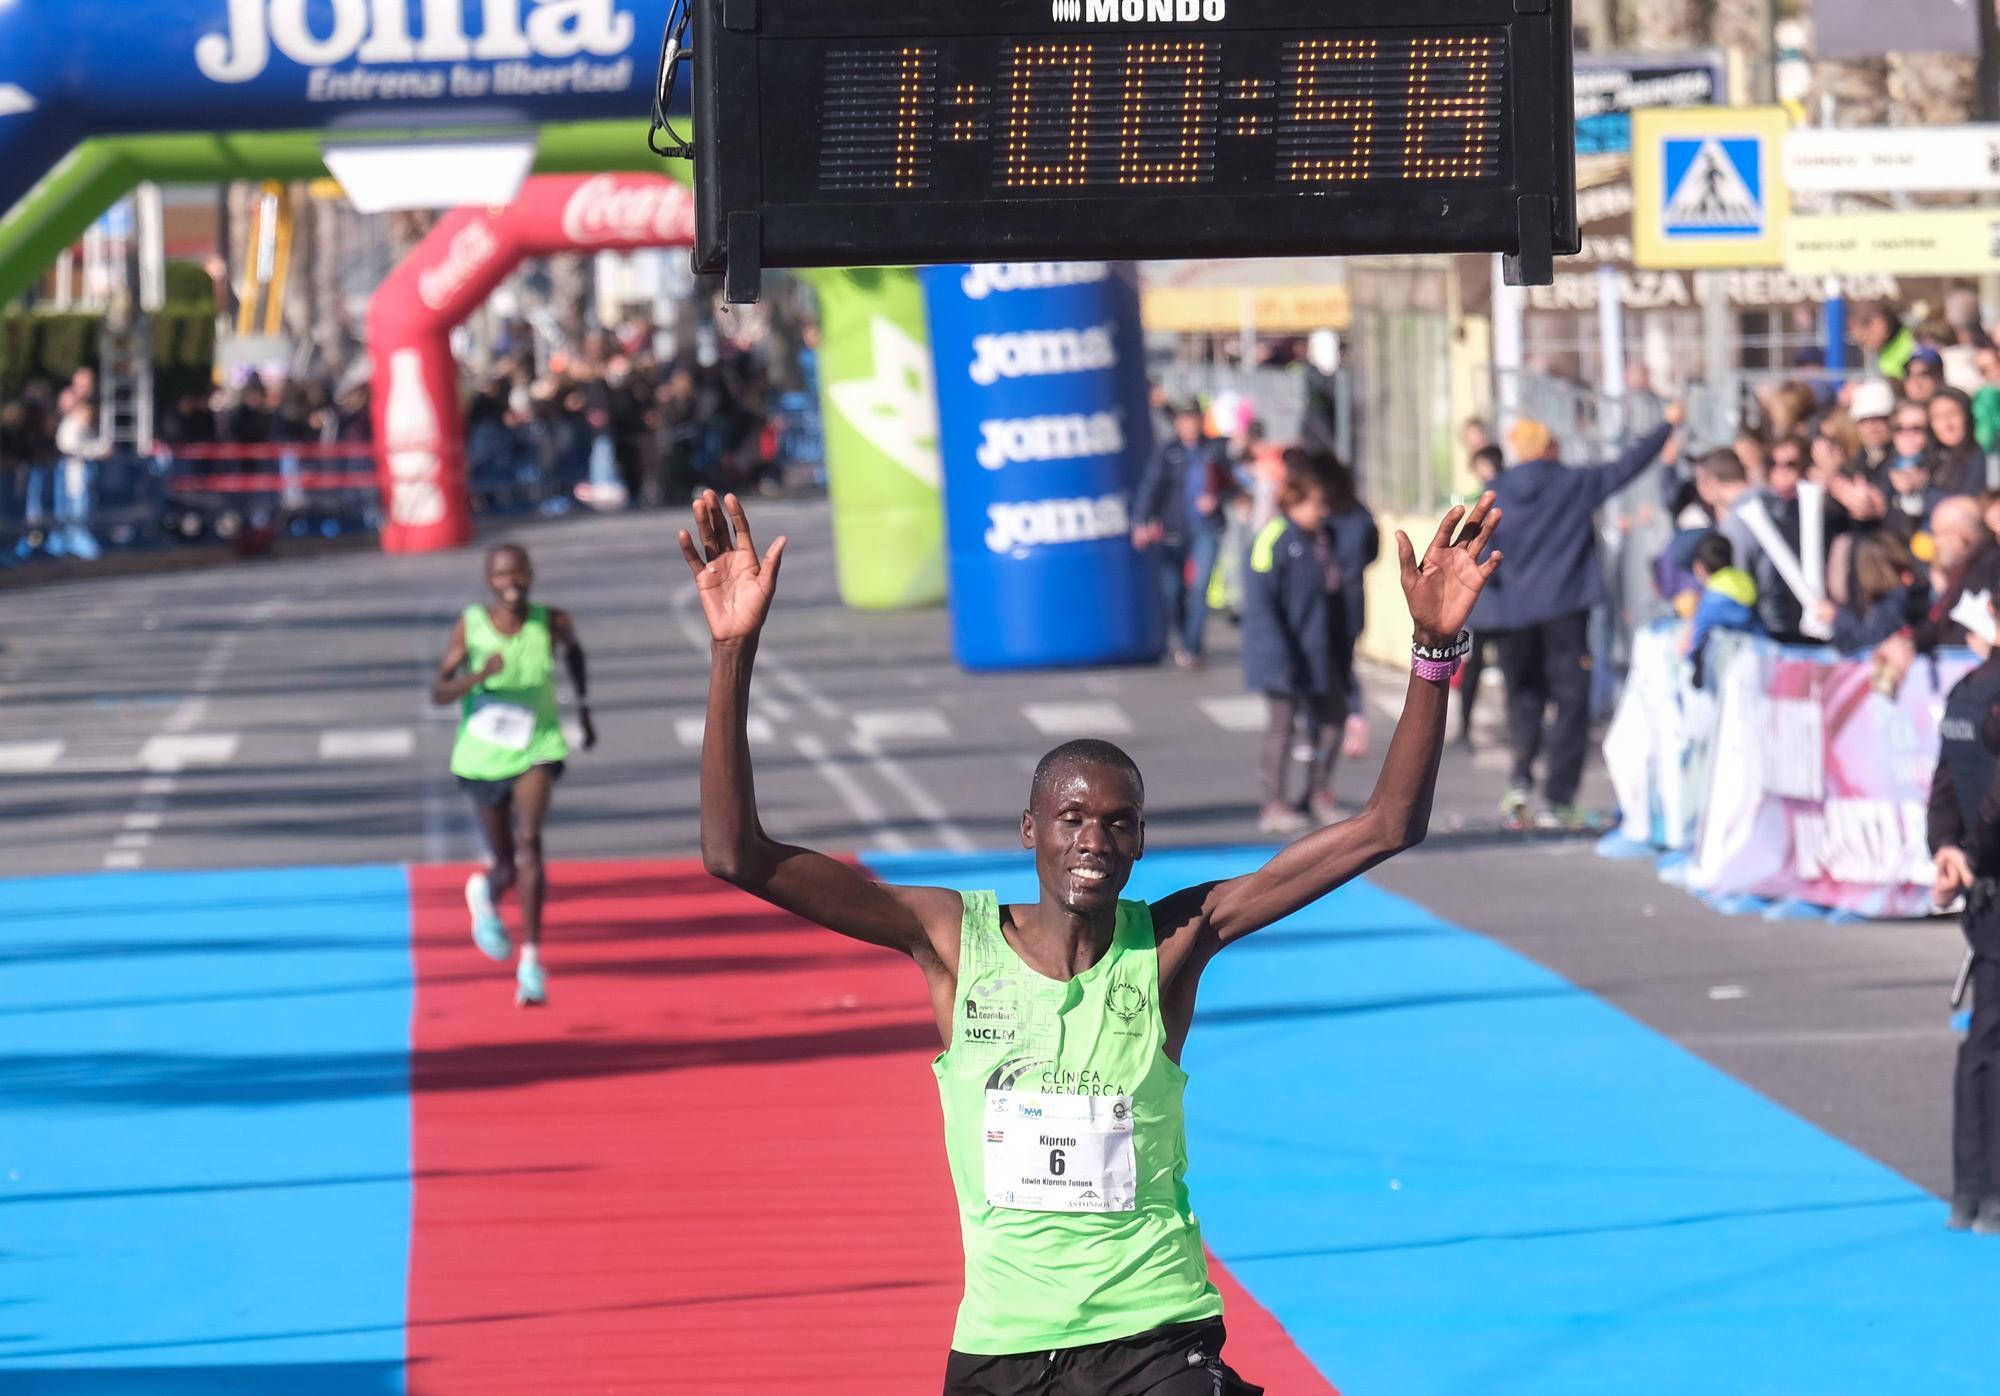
(1180, 509)
(1545, 608)
(1296, 645)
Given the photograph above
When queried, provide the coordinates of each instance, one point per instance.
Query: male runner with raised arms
(499, 666)
(1063, 1021)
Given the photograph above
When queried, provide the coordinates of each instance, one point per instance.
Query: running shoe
(1987, 1223)
(1964, 1211)
(1571, 819)
(1325, 810)
(488, 933)
(531, 986)
(1282, 819)
(1514, 809)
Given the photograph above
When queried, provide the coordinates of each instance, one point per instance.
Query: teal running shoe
(488, 933)
(531, 986)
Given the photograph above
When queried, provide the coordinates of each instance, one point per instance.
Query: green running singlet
(1068, 1148)
(509, 725)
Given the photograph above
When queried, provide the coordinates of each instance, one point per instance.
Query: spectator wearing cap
(1923, 377)
(1545, 606)
(1887, 342)
(1871, 405)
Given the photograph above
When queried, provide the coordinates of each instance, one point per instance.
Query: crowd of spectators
(636, 426)
(1907, 496)
(615, 423)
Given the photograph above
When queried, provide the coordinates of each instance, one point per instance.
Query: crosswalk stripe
(124, 858)
(1076, 719)
(901, 724)
(170, 752)
(1243, 712)
(367, 744)
(31, 756)
(688, 730)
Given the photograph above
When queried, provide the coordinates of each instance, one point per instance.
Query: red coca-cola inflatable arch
(419, 428)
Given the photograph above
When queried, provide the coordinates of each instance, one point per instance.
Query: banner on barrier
(1818, 784)
(1657, 746)
(1788, 775)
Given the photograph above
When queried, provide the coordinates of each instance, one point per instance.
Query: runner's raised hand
(735, 585)
(1443, 587)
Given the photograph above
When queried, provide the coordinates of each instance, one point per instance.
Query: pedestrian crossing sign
(1707, 191)
(1715, 187)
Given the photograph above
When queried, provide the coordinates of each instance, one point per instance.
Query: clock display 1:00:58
(1329, 109)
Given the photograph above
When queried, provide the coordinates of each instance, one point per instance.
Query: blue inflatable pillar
(1044, 428)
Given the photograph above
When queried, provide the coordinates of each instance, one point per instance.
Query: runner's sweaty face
(510, 576)
(1087, 827)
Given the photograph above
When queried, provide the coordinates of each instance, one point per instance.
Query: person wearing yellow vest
(1062, 1020)
(499, 667)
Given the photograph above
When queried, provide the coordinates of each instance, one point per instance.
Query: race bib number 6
(1060, 1153)
(503, 724)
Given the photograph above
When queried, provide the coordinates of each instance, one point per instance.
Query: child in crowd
(1728, 598)
(1887, 594)
(1296, 648)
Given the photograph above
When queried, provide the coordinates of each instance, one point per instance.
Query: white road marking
(782, 675)
(157, 785)
(901, 724)
(123, 858)
(367, 744)
(132, 841)
(918, 798)
(172, 753)
(31, 756)
(145, 819)
(688, 730)
(857, 800)
(1076, 719)
(1243, 713)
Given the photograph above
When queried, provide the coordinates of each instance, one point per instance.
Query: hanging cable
(673, 52)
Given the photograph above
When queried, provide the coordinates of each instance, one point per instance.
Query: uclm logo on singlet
(1138, 11)
(374, 32)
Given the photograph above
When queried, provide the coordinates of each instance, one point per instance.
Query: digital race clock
(881, 132)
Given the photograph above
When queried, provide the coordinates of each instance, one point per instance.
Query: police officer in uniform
(1965, 844)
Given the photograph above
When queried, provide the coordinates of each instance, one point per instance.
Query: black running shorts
(493, 794)
(1183, 1359)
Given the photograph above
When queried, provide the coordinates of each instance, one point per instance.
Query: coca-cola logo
(470, 250)
(606, 209)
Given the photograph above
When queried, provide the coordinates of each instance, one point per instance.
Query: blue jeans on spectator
(1203, 550)
(35, 494)
(1185, 567)
(71, 535)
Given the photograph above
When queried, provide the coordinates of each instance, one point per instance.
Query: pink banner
(1819, 782)
(419, 432)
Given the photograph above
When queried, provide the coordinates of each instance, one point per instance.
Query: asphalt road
(275, 714)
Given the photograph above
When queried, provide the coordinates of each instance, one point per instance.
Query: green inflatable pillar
(878, 402)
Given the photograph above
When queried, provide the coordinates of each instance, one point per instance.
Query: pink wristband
(1435, 670)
